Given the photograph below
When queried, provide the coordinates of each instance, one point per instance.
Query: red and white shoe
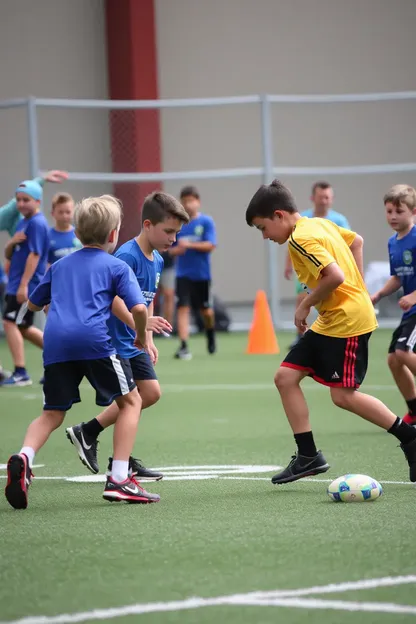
(129, 491)
(409, 419)
(19, 478)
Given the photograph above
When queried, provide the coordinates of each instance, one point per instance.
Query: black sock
(412, 406)
(306, 444)
(20, 370)
(210, 334)
(92, 428)
(402, 431)
(184, 344)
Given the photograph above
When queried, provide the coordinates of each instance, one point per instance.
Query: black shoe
(183, 354)
(19, 477)
(301, 466)
(137, 470)
(128, 491)
(86, 447)
(409, 451)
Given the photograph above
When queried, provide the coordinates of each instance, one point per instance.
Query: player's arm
(356, 248)
(391, 286)
(204, 246)
(130, 292)
(288, 266)
(17, 238)
(41, 296)
(208, 244)
(119, 309)
(37, 239)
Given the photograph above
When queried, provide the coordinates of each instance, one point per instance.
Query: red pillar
(132, 73)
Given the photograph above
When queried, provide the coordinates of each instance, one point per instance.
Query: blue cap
(32, 188)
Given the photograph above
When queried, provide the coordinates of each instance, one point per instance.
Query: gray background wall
(218, 48)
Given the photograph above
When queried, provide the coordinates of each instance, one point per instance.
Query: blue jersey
(147, 273)
(61, 244)
(196, 265)
(36, 229)
(335, 217)
(81, 288)
(402, 254)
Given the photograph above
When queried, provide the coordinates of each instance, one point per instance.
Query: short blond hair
(96, 217)
(401, 194)
(61, 198)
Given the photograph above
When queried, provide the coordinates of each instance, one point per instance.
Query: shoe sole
(148, 478)
(74, 440)
(17, 384)
(16, 489)
(302, 475)
(116, 497)
(183, 357)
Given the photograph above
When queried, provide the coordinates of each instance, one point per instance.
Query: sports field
(224, 544)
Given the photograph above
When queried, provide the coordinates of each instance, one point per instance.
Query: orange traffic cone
(262, 338)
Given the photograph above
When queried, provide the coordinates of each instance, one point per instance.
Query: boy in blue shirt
(62, 239)
(196, 241)
(322, 197)
(80, 289)
(162, 218)
(28, 255)
(400, 203)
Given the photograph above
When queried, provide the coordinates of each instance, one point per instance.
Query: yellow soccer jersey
(313, 245)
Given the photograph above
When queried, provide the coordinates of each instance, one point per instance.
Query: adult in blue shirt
(195, 243)
(322, 197)
(27, 252)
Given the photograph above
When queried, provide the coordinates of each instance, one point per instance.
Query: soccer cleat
(183, 354)
(17, 380)
(410, 419)
(301, 466)
(4, 374)
(137, 470)
(86, 447)
(128, 491)
(409, 451)
(19, 477)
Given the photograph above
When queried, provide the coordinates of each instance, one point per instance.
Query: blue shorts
(142, 367)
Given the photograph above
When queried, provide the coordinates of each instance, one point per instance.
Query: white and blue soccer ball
(354, 488)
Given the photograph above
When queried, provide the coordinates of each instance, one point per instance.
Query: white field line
(283, 598)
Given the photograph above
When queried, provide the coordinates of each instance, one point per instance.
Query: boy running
(329, 260)
(80, 289)
(400, 203)
(162, 218)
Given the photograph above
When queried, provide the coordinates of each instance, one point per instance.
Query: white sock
(119, 470)
(30, 454)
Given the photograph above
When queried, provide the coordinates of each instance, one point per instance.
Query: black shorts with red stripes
(335, 362)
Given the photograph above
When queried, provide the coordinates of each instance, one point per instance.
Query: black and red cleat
(410, 419)
(129, 491)
(19, 477)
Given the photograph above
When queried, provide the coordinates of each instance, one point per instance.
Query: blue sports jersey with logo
(147, 273)
(402, 254)
(36, 229)
(81, 288)
(335, 217)
(61, 244)
(193, 264)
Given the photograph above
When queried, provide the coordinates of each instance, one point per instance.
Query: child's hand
(375, 298)
(142, 344)
(154, 354)
(407, 302)
(56, 176)
(301, 314)
(19, 237)
(159, 325)
(22, 294)
(184, 243)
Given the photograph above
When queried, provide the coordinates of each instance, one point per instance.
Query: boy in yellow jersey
(328, 260)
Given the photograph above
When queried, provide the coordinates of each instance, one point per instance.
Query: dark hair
(268, 199)
(159, 206)
(321, 184)
(189, 191)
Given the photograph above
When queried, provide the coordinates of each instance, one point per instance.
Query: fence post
(272, 257)
(32, 124)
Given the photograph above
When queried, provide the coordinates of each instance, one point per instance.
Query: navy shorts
(334, 362)
(404, 336)
(110, 377)
(142, 367)
(11, 310)
(195, 294)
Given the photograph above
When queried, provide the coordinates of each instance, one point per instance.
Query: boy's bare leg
(15, 343)
(403, 377)
(33, 335)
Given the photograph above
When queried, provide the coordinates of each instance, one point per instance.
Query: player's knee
(393, 361)
(285, 378)
(402, 357)
(342, 397)
(55, 418)
(151, 395)
(132, 399)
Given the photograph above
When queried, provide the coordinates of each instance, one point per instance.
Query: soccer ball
(354, 488)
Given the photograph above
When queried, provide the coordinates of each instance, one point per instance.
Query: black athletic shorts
(195, 294)
(11, 311)
(110, 377)
(335, 362)
(142, 367)
(404, 336)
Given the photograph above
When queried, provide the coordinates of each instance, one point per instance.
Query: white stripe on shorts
(411, 340)
(122, 379)
(23, 309)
